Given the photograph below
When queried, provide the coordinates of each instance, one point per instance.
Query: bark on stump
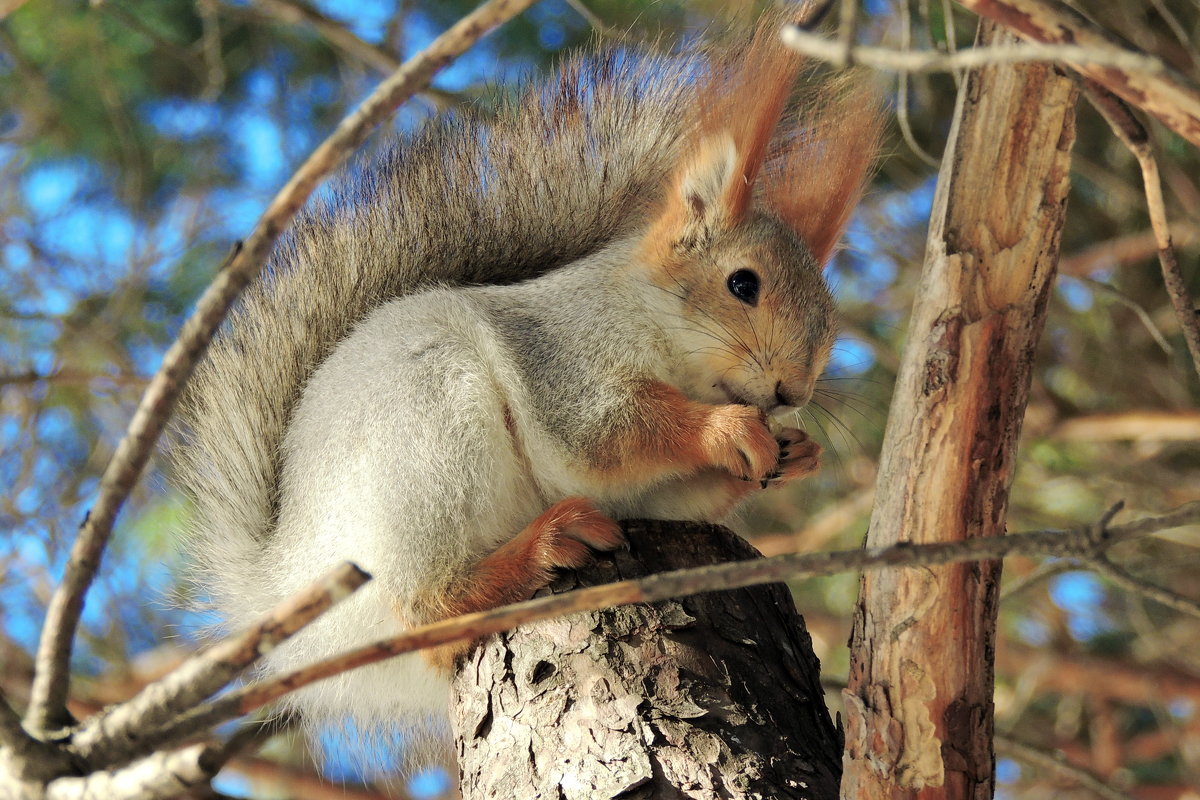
(716, 695)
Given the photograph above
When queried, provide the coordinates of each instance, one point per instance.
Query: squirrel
(475, 354)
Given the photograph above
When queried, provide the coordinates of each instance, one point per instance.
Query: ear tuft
(817, 172)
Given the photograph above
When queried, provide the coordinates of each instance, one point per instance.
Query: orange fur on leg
(564, 535)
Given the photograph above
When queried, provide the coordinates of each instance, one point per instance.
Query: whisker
(849, 398)
(832, 450)
(845, 429)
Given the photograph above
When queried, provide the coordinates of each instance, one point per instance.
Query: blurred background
(140, 138)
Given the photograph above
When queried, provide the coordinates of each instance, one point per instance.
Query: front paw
(799, 456)
(736, 438)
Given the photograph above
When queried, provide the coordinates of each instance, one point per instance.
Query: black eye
(743, 285)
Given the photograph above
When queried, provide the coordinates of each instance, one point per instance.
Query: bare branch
(1130, 131)
(1132, 583)
(593, 19)
(210, 39)
(370, 55)
(1066, 671)
(161, 776)
(1044, 571)
(847, 31)
(47, 705)
(918, 61)
(1081, 543)
(1124, 250)
(902, 93)
(124, 731)
(1142, 314)
(297, 11)
(1137, 425)
(1165, 94)
(9, 6)
(1040, 758)
(68, 376)
(292, 782)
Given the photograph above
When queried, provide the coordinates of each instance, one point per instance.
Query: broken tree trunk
(712, 696)
(919, 711)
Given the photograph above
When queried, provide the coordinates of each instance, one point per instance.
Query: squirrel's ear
(700, 193)
(696, 203)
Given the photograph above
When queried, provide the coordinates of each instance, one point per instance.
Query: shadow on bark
(713, 696)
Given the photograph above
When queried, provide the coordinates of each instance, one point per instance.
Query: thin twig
(1047, 569)
(1130, 131)
(1164, 93)
(1142, 314)
(1040, 758)
(815, 13)
(951, 38)
(32, 378)
(1088, 541)
(48, 700)
(1132, 583)
(600, 26)
(339, 36)
(902, 92)
(289, 781)
(210, 38)
(123, 731)
(1126, 249)
(847, 31)
(918, 61)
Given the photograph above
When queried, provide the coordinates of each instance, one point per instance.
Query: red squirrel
(507, 333)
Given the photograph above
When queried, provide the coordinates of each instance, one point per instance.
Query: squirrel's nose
(789, 398)
(781, 398)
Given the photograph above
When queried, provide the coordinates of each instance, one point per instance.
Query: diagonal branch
(1132, 583)
(339, 36)
(47, 707)
(121, 733)
(1130, 131)
(1082, 543)
(297, 11)
(1043, 760)
(1166, 94)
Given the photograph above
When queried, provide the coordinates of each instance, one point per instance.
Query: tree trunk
(712, 696)
(919, 711)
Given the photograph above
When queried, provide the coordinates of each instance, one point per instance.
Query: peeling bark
(919, 713)
(712, 696)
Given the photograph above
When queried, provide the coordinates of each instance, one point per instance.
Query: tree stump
(716, 695)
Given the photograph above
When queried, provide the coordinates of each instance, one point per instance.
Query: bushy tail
(553, 176)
